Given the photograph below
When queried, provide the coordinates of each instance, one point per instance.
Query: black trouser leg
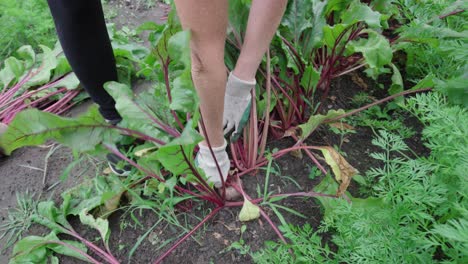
(83, 35)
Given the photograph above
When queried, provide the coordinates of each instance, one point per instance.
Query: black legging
(83, 34)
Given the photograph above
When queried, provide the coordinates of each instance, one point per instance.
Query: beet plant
(45, 80)
(41, 81)
(316, 42)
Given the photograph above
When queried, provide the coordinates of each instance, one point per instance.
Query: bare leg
(207, 20)
(264, 18)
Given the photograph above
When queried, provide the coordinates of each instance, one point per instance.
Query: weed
(240, 245)
(19, 219)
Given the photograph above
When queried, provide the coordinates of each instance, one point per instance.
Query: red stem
(169, 251)
(275, 228)
(79, 251)
(168, 91)
(376, 103)
(451, 13)
(171, 131)
(297, 194)
(10, 92)
(253, 139)
(106, 255)
(267, 110)
(153, 175)
(296, 55)
(312, 157)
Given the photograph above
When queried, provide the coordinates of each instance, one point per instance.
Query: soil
(21, 172)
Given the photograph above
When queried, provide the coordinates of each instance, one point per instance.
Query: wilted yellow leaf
(342, 170)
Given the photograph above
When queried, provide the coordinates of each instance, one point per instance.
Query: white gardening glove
(205, 161)
(237, 103)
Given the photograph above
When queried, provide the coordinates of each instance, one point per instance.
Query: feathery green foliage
(25, 21)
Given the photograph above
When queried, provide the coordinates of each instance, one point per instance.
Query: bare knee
(206, 61)
(198, 64)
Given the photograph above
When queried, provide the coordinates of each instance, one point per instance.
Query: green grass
(18, 220)
(24, 22)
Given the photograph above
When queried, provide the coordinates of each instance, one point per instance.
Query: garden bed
(211, 242)
(401, 197)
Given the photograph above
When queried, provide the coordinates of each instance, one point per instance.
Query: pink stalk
(165, 67)
(44, 98)
(138, 134)
(170, 250)
(106, 255)
(171, 131)
(64, 102)
(377, 102)
(10, 92)
(131, 162)
(151, 174)
(280, 110)
(230, 41)
(238, 38)
(267, 112)
(9, 113)
(253, 148)
(243, 149)
(65, 109)
(60, 103)
(278, 85)
(455, 12)
(311, 156)
(235, 158)
(275, 155)
(27, 94)
(297, 57)
(296, 194)
(359, 65)
(275, 228)
(79, 251)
